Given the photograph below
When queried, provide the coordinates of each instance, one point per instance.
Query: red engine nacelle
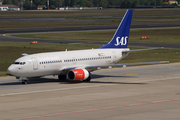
(78, 74)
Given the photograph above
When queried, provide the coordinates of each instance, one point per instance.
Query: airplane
(77, 65)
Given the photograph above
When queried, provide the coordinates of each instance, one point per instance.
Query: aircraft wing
(98, 67)
(92, 68)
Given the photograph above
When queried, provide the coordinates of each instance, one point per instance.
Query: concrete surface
(134, 93)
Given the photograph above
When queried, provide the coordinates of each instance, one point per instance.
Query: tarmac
(148, 92)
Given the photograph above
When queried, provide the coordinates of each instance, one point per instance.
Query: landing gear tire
(88, 79)
(24, 82)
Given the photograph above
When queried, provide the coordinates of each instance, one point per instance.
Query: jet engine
(78, 74)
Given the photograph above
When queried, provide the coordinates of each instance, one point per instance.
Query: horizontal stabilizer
(142, 49)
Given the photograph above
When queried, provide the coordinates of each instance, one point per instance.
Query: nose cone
(11, 70)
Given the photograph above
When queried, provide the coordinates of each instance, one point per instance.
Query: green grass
(134, 18)
(3, 73)
(46, 24)
(155, 35)
(86, 13)
(106, 17)
(93, 36)
(158, 18)
(66, 13)
(44, 47)
(171, 55)
(11, 51)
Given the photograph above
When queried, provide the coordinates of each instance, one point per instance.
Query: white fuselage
(52, 63)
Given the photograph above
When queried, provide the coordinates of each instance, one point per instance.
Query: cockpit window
(15, 62)
(22, 63)
(19, 63)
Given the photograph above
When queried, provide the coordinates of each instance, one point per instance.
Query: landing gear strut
(24, 80)
(88, 79)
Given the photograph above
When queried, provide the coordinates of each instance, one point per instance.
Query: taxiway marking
(109, 108)
(50, 90)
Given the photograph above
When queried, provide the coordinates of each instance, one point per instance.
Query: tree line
(86, 3)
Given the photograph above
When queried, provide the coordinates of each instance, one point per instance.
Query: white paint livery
(46, 64)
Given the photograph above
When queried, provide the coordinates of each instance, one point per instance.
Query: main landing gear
(88, 79)
(24, 82)
(62, 77)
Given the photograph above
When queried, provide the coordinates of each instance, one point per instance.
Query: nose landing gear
(24, 80)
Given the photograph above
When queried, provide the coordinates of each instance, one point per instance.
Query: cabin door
(74, 60)
(114, 56)
(35, 63)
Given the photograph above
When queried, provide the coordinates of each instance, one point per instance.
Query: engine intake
(77, 74)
